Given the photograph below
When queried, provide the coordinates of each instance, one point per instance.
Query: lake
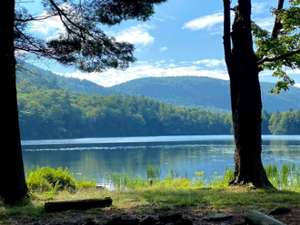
(181, 156)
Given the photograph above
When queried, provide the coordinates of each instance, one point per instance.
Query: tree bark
(245, 96)
(13, 186)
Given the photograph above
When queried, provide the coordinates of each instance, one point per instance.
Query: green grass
(155, 198)
(285, 178)
(152, 192)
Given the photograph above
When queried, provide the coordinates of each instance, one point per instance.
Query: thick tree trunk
(245, 96)
(12, 186)
(246, 114)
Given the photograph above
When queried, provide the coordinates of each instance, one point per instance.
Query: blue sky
(183, 38)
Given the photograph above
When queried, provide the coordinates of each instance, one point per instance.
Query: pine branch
(280, 57)
(30, 19)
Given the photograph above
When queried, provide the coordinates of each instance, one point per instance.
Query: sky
(182, 38)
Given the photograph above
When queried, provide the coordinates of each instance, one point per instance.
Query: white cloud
(297, 85)
(265, 22)
(136, 35)
(204, 22)
(163, 49)
(149, 69)
(210, 62)
(50, 27)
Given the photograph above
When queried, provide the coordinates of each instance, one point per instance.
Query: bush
(48, 179)
(85, 184)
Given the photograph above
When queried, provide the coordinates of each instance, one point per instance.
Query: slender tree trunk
(245, 96)
(13, 186)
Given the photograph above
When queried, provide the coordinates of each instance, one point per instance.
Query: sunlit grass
(153, 192)
(286, 177)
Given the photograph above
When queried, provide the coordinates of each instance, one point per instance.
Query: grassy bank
(153, 193)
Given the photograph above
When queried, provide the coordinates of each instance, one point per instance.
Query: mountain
(204, 92)
(35, 76)
(185, 91)
(52, 106)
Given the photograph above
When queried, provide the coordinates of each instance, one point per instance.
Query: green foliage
(81, 184)
(285, 123)
(83, 43)
(124, 181)
(58, 114)
(47, 179)
(222, 182)
(274, 48)
(285, 178)
(152, 172)
(50, 180)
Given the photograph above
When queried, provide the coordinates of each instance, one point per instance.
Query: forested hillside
(285, 123)
(51, 106)
(204, 92)
(58, 114)
(29, 75)
(184, 91)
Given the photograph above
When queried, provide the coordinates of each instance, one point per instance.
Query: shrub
(47, 179)
(85, 184)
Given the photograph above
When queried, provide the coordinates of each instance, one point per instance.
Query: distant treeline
(58, 114)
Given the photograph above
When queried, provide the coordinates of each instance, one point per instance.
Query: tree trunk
(245, 97)
(13, 186)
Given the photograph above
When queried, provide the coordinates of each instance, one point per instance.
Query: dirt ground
(170, 216)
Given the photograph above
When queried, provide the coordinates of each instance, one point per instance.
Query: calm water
(182, 156)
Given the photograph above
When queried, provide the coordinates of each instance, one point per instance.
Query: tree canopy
(83, 43)
(279, 50)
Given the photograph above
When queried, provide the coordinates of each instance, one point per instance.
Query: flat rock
(218, 217)
(255, 217)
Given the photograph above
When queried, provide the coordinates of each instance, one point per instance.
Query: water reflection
(96, 162)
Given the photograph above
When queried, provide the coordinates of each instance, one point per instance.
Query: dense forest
(59, 114)
(46, 113)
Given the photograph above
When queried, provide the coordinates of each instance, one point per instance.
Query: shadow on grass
(222, 198)
(145, 201)
(24, 208)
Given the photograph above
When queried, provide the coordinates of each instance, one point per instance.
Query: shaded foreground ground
(158, 206)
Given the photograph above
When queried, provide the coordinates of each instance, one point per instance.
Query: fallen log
(255, 217)
(56, 206)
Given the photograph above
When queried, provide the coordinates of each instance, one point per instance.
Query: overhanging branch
(62, 14)
(30, 19)
(280, 57)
